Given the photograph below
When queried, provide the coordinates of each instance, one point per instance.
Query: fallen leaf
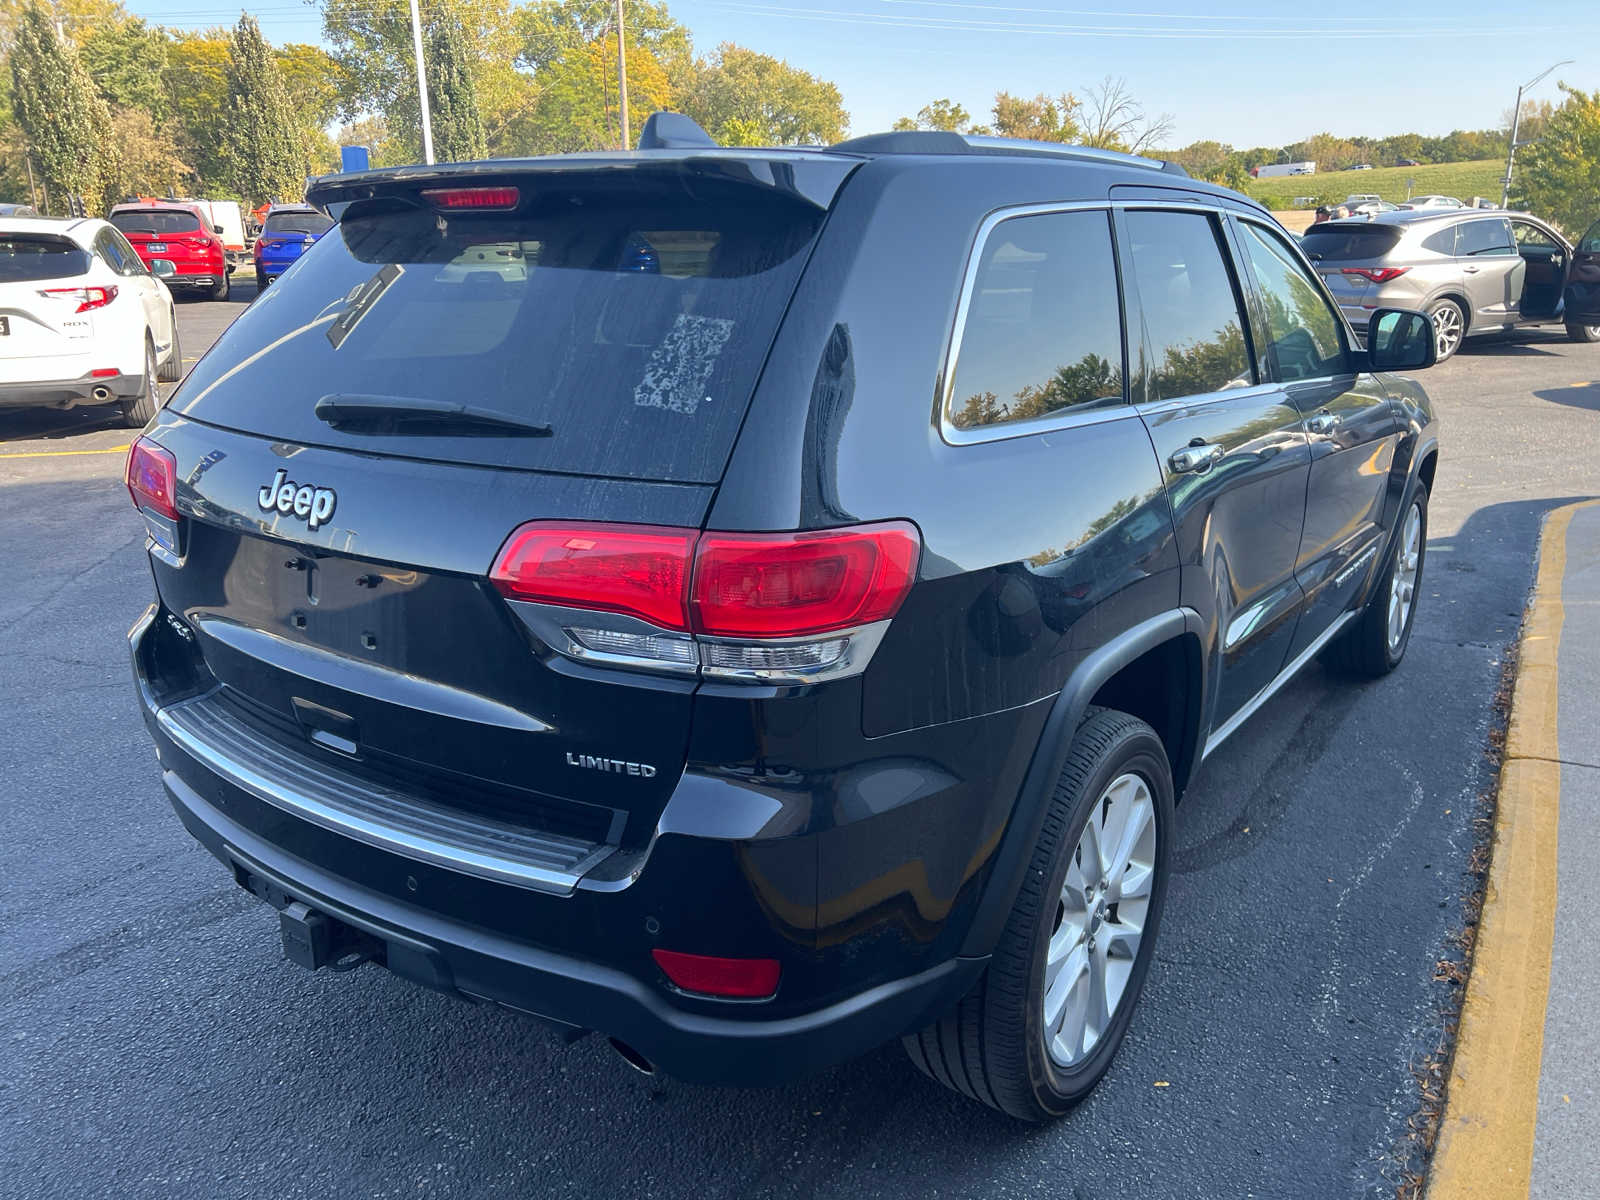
(1162, 1083)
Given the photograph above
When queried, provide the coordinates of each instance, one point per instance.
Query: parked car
(1581, 295)
(82, 321)
(176, 232)
(1432, 202)
(643, 640)
(227, 221)
(1406, 162)
(1360, 167)
(1473, 272)
(286, 233)
(1372, 208)
(1355, 199)
(18, 210)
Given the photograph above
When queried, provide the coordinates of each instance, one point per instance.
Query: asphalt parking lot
(153, 1042)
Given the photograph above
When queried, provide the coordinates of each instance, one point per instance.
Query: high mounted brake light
(741, 605)
(473, 199)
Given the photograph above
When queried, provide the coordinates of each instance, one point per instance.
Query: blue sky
(1249, 73)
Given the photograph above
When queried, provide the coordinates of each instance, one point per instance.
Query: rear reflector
(637, 570)
(741, 978)
(468, 199)
(1375, 274)
(152, 478)
(769, 585)
(104, 373)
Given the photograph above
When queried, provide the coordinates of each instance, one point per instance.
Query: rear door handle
(1322, 422)
(1196, 457)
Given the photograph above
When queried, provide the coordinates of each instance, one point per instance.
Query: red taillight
(742, 978)
(87, 297)
(767, 585)
(1375, 274)
(152, 478)
(639, 570)
(466, 199)
(737, 585)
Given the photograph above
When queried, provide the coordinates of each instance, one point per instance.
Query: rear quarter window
(633, 325)
(26, 257)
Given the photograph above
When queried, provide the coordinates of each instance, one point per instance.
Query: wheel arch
(1125, 673)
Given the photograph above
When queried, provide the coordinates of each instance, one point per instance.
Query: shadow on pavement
(1577, 396)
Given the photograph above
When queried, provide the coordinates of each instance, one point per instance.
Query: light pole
(622, 79)
(422, 85)
(1516, 124)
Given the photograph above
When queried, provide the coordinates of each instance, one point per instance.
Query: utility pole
(1516, 124)
(622, 78)
(422, 85)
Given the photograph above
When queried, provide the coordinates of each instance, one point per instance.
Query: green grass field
(1463, 180)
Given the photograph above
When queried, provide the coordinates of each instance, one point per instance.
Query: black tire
(1583, 333)
(991, 1047)
(172, 370)
(1365, 650)
(222, 289)
(263, 282)
(1448, 313)
(137, 410)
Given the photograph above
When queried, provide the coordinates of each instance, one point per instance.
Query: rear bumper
(473, 951)
(63, 393)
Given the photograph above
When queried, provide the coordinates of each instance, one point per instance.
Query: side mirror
(161, 268)
(217, 229)
(1400, 339)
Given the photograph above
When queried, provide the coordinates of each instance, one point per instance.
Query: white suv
(82, 321)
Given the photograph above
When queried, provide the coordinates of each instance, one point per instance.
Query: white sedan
(82, 321)
(1433, 202)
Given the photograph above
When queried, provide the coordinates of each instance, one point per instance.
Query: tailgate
(375, 641)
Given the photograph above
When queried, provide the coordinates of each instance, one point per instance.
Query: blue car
(285, 234)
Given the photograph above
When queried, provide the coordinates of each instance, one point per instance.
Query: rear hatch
(604, 326)
(43, 333)
(285, 235)
(1350, 256)
(174, 234)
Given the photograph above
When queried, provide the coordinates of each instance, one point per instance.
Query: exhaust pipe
(632, 1057)
(101, 393)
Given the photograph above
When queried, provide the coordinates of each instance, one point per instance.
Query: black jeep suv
(758, 604)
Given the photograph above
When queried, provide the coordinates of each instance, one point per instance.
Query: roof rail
(934, 141)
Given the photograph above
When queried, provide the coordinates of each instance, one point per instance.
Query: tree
(1559, 175)
(1113, 120)
(126, 59)
(265, 158)
(146, 161)
(197, 84)
(1042, 119)
(945, 115)
(457, 128)
(742, 98)
(57, 109)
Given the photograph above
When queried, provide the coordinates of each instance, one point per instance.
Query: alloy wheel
(1403, 581)
(1100, 920)
(1446, 330)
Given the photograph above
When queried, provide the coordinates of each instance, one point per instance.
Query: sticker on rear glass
(675, 378)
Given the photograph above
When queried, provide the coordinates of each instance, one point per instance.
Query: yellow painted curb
(1485, 1147)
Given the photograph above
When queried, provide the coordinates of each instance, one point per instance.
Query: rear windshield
(631, 321)
(1335, 243)
(295, 222)
(156, 220)
(26, 257)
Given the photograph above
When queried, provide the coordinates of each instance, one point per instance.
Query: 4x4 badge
(314, 505)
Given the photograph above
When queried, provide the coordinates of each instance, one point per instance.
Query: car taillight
(152, 478)
(740, 978)
(1375, 274)
(781, 585)
(468, 199)
(87, 297)
(738, 605)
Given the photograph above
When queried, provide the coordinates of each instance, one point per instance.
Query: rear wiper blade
(403, 414)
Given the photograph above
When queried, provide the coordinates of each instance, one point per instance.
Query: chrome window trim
(948, 432)
(1070, 418)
